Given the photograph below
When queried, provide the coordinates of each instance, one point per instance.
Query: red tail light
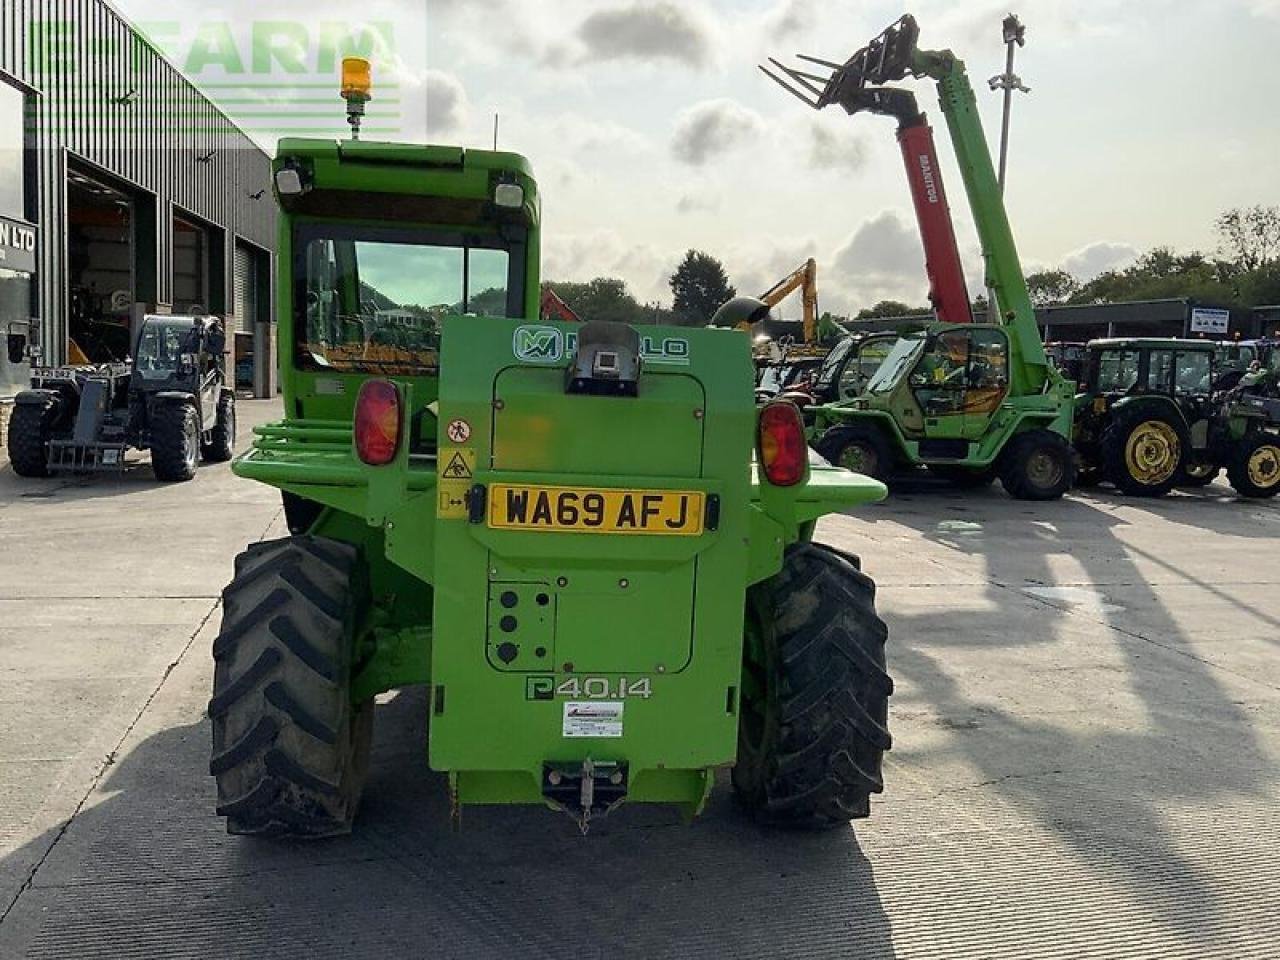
(378, 418)
(784, 455)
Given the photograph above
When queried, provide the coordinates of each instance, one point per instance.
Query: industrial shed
(123, 190)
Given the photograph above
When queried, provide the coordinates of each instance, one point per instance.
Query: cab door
(961, 380)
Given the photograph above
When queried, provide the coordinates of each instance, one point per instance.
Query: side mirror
(17, 347)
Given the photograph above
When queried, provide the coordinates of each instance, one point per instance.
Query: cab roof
(1152, 343)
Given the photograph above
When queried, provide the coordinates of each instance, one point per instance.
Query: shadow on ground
(148, 871)
(1079, 763)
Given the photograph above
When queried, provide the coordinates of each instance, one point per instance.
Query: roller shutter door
(246, 289)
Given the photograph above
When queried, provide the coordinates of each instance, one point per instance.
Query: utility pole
(1014, 36)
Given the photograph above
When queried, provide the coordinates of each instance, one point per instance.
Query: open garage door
(100, 274)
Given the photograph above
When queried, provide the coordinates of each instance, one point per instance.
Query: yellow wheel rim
(1153, 452)
(1264, 466)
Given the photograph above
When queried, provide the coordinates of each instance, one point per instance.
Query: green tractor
(559, 529)
(1148, 419)
(973, 402)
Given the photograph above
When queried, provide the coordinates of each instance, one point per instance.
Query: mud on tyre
(813, 721)
(290, 750)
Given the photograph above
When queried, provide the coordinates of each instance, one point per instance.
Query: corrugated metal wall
(105, 98)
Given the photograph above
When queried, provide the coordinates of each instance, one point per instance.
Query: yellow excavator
(805, 279)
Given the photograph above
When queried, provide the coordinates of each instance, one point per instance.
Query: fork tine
(798, 78)
(820, 62)
(787, 87)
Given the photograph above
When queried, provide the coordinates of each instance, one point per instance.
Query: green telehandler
(971, 401)
(560, 529)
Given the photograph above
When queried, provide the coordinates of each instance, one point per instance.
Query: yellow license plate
(584, 510)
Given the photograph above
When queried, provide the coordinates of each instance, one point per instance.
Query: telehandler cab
(559, 529)
(971, 401)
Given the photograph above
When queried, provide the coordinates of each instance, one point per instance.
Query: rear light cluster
(379, 416)
(784, 455)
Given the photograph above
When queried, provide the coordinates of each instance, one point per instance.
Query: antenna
(495, 130)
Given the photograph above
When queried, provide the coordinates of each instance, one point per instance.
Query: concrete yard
(1086, 757)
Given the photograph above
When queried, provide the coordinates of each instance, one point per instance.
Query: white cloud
(713, 127)
(883, 259)
(838, 148)
(446, 104)
(646, 31)
(1089, 261)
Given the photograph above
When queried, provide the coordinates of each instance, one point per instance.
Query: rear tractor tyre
(222, 438)
(813, 718)
(290, 749)
(175, 441)
(859, 447)
(1200, 474)
(30, 429)
(1254, 470)
(1037, 465)
(1143, 452)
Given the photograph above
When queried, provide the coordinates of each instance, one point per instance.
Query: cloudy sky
(651, 131)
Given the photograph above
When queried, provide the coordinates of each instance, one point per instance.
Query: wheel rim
(1044, 469)
(859, 458)
(1264, 466)
(1152, 452)
(190, 443)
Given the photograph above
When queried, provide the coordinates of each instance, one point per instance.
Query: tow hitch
(583, 790)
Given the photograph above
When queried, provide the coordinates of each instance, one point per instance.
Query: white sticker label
(594, 718)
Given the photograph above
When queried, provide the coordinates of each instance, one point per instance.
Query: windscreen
(900, 358)
(372, 299)
(161, 346)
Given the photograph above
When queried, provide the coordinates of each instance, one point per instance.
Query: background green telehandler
(971, 401)
(558, 528)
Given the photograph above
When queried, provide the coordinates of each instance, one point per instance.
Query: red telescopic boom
(947, 290)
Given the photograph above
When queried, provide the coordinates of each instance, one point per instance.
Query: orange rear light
(784, 455)
(378, 420)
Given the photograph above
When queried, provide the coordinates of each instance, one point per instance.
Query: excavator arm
(805, 279)
(859, 84)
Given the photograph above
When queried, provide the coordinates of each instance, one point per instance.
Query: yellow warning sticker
(453, 500)
(457, 468)
(459, 464)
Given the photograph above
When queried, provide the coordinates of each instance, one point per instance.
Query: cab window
(1117, 371)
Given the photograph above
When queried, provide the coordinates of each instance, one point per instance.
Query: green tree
(699, 287)
(604, 298)
(1049, 287)
(890, 308)
(1251, 235)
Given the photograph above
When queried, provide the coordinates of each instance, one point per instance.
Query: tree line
(1244, 272)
